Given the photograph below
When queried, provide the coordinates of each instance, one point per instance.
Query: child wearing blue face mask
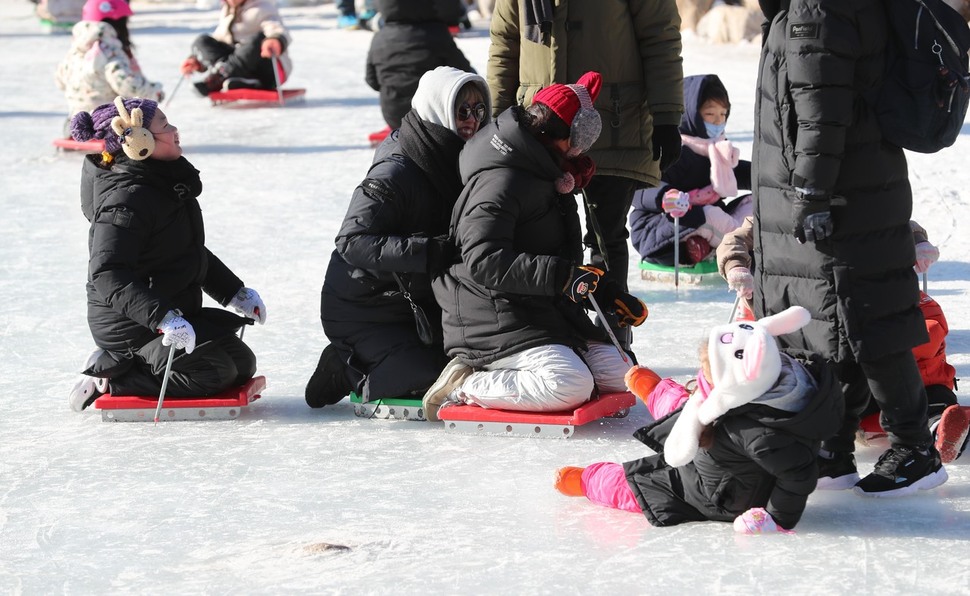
(699, 188)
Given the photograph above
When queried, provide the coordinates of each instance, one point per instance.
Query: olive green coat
(634, 44)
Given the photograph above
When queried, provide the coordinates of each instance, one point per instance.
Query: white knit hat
(437, 92)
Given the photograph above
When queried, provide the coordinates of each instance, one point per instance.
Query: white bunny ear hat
(745, 363)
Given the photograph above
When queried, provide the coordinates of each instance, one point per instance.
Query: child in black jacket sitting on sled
(148, 266)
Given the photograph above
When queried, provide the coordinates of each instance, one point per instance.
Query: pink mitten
(740, 280)
(675, 203)
(926, 255)
(758, 521)
(703, 196)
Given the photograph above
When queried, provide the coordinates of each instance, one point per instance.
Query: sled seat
(871, 426)
(553, 425)
(398, 408)
(95, 146)
(257, 96)
(692, 275)
(228, 405)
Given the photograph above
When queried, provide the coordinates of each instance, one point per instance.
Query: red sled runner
(225, 406)
(280, 97)
(553, 425)
(85, 146)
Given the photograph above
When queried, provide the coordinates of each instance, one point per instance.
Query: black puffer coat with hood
(519, 240)
(147, 253)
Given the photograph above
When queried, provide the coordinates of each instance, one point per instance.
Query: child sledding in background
(413, 40)
(744, 446)
(948, 421)
(694, 188)
(239, 53)
(101, 64)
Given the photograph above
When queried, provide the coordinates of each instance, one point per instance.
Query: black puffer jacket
(652, 230)
(390, 221)
(814, 129)
(147, 251)
(413, 40)
(518, 239)
(760, 457)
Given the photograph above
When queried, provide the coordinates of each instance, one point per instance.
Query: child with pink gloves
(697, 190)
(742, 448)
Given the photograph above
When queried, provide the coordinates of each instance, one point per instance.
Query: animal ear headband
(136, 141)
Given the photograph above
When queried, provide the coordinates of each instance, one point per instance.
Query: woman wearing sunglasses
(514, 318)
(376, 305)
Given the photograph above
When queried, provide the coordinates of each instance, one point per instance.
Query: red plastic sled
(870, 425)
(85, 146)
(225, 406)
(536, 424)
(376, 138)
(256, 95)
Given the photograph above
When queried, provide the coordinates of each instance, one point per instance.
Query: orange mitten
(569, 481)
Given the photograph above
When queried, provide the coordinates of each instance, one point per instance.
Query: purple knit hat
(97, 124)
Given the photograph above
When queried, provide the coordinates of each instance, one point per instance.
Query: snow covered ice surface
(247, 506)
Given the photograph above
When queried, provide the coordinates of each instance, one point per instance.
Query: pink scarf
(724, 158)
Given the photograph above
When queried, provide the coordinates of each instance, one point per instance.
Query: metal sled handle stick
(174, 91)
(734, 309)
(168, 372)
(676, 253)
(276, 77)
(606, 326)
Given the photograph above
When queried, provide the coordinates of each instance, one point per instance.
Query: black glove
(630, 311)
(666, 145)
(582, 280)
(441, 254)
(812, 217)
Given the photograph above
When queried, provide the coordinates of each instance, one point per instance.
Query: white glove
(926, 255)
(758, 521)
(177, 331)
(741, 281)
(248, 303)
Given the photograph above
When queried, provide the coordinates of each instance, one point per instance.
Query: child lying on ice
(742, 448)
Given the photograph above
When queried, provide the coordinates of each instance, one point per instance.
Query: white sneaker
(451, 378)
(85, 391)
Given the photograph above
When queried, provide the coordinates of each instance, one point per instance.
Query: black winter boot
(214, 78)
(328, 384)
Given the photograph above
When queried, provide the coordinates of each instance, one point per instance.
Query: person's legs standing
(912, 462)
(610, 198)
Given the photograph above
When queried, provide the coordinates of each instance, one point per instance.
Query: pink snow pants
(605, 484)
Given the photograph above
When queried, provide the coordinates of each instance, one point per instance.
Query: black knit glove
(666, 145)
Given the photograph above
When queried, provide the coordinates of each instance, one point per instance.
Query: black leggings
(242, 60)
(894, 383)
(213, 367)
